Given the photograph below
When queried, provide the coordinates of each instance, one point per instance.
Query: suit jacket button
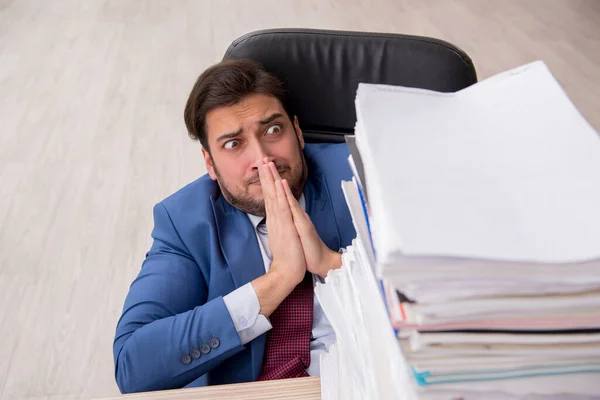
(205, 349)
(195, 354)
(186, 359)
(214, 342)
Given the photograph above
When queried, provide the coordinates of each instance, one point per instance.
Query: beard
(245, 202)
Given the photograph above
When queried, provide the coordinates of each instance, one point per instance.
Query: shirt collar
(255, 219)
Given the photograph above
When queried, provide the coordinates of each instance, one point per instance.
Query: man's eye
(273, 130)
(231, 144)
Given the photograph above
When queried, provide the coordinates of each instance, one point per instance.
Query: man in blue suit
(225, 294)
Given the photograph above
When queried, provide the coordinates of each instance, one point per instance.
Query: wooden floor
(92, 136)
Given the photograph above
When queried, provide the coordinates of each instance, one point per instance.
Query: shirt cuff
(244, 308)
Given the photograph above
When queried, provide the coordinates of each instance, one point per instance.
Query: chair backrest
(322, 69)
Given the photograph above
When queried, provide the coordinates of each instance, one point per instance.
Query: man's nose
(261, 153)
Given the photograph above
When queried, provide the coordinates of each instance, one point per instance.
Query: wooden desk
(284, 389)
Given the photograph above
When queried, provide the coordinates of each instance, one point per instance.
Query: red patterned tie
(287, 352)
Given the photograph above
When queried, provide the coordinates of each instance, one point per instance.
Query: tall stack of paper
(360, 366)
(484, 211)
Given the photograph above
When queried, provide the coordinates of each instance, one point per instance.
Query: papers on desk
(360, 365)
(481, 238)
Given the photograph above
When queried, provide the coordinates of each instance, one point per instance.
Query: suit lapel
(238, 243)
(242, 253)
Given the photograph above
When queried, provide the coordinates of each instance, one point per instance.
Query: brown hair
(225, 84)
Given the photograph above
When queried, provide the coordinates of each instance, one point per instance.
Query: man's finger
(297, 212)
(268, 188)
(274, 171)
(284, 207)
(266, 179)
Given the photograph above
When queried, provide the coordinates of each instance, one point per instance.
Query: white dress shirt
(244, 308)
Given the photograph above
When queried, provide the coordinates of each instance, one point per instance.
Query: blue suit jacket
(204, 249)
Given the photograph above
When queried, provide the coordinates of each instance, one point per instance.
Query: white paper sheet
(507, 170)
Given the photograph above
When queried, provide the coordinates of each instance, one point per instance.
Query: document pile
(479, 231)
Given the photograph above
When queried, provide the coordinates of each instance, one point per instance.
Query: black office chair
(322, 69)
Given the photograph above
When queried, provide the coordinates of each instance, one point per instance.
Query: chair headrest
(322, 69)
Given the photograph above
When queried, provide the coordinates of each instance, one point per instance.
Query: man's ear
(298, 132)
(210, 167)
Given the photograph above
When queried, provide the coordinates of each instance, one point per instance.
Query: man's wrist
(285, 276)
(283, 281)
(333, 260)
(271, 289)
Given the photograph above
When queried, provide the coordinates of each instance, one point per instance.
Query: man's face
(242, 134)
